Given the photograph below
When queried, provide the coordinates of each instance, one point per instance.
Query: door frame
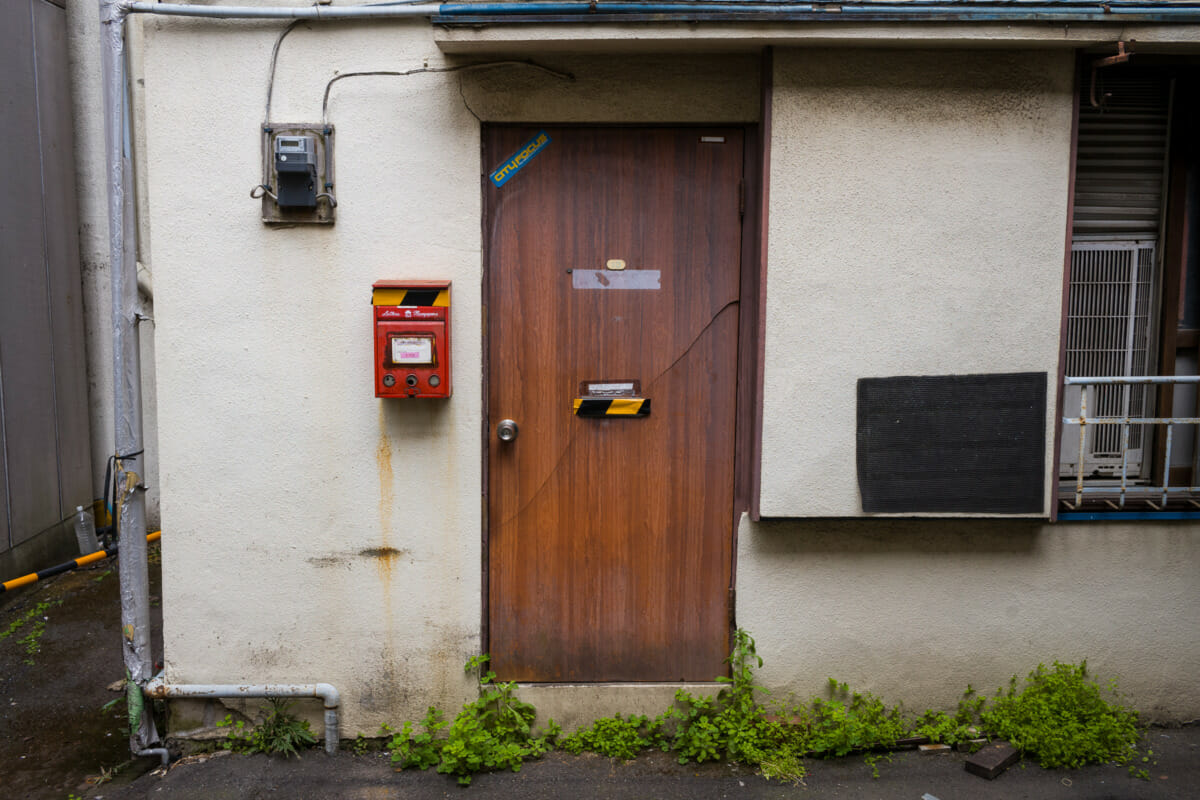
(751, 300)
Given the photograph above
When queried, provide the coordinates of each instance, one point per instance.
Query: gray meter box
(298, 173)
(296, 169)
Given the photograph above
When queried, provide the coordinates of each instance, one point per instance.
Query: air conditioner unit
(1108, 335)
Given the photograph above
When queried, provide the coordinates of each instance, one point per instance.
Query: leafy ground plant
(852, 721)
(491, 732)
(731, 725)
(941, 728)
(281, 732)
(1062, 719)
(734, 725)
(616, 737)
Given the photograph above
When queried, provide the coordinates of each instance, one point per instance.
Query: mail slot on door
(412, 338)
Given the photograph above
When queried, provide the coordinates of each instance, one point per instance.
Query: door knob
(507, 430)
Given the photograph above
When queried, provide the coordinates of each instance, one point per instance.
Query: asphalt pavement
(1174, 774)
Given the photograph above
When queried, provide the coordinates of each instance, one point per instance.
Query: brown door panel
(609, 540)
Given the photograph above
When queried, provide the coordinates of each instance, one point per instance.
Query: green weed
(490, 733)
(615, 737)
(941, 728)
(1061, 718)
(280, 732)
(852, 721)
(31, 642)
(734, 725)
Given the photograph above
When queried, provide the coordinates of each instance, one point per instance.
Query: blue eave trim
(1113, 516)
(1060, 11)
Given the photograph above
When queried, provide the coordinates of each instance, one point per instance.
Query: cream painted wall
(316, 533)
(914, 610)
(917, 220)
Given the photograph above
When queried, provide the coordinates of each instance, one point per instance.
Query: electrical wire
(274, 60)
(566, 76)
(291, 27)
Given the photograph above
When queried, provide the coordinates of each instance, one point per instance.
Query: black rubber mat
(953, 443)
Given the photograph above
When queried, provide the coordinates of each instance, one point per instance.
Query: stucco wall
(917, 220)
(914, 610)
(312, 531)
(316, 533)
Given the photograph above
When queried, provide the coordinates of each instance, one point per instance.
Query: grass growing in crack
(280, 732)
(31, 642)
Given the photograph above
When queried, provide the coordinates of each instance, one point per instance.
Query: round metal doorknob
(507, 430)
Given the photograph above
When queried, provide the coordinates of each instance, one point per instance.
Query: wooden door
(609, 538)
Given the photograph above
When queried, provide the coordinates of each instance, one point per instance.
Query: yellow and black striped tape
(392, 296)
(66, 566)
(612, 406)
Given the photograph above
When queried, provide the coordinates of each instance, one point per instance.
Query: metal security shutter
(1121, 155)
(1119, 190)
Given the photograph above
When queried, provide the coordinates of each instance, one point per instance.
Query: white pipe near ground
(157, 687)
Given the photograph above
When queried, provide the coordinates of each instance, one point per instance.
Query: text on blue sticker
(514, 164)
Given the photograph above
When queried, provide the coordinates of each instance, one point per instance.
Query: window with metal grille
(1108, 334)
(1115, 263)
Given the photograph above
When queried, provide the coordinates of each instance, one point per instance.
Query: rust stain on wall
(328, 561)
(386, 553)
(387, 497)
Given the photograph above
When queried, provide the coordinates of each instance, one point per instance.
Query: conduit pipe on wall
(1062, 11)
(127, 372)
(158, 688)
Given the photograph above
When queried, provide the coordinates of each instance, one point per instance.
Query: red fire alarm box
(412, 338)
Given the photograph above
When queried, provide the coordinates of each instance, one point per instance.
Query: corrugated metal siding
(1121, 156)
(59, 208)
(44, 442)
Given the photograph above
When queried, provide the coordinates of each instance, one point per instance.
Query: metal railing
(1143, 492)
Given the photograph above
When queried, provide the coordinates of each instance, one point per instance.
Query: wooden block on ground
(992, 759)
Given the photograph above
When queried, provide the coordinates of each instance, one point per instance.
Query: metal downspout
(127, 378)
(131, 508)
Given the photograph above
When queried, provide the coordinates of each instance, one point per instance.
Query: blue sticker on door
(519, 159)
